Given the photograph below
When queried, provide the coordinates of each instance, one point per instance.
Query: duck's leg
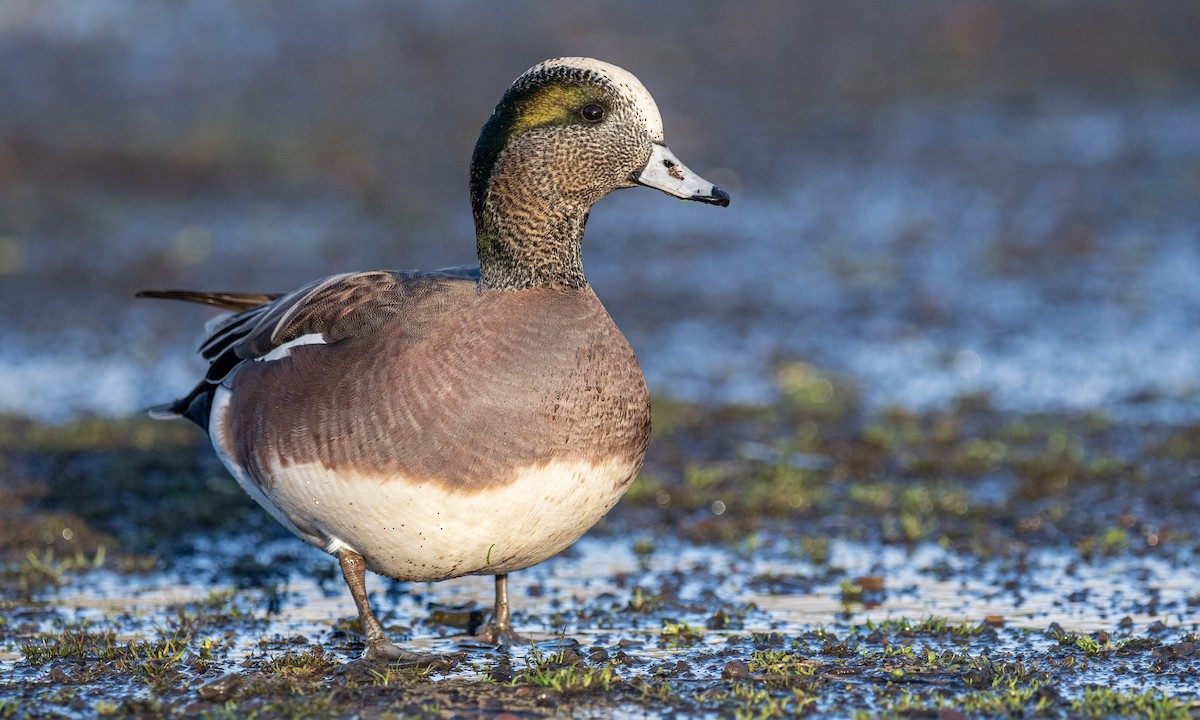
(498, 630)
(379, 649)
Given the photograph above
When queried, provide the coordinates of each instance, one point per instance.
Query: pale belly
(422, 530)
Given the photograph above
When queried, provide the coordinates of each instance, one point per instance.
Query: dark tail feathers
(237, 302)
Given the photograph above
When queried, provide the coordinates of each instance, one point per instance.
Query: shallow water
(777, 590)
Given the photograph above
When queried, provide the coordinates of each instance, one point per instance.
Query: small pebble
(545, 698)
(627, 659)
(220, 689)
(570, 657)
(465, 618)
(735, 670)
(870, 583)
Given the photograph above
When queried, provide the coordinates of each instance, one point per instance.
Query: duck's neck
(525, 245)
(528, 233)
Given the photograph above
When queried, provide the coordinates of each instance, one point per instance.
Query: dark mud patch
(803, 557)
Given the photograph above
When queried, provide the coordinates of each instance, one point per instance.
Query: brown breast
(504, 381)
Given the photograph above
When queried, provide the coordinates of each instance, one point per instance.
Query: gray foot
(380, 651)
(503, 636)
(498, 630)
(387, 654)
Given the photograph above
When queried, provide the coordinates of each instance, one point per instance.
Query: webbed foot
(387, 653)
(380, 651)
(498, 630)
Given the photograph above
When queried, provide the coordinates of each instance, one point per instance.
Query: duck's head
(566, 133)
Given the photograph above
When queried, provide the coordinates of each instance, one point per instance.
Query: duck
(426, 425)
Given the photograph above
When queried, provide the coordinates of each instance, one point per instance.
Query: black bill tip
(716, 196)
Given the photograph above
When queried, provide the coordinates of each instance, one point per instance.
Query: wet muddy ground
(802, 556)
(977, 496)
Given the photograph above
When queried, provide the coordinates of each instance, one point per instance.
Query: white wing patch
(286, 349)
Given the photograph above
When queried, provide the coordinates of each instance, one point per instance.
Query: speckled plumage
(529, 218)
(430, 425)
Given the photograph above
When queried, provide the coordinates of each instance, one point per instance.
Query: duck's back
(467, 431)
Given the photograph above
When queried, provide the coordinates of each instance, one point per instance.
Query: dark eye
(592, 112)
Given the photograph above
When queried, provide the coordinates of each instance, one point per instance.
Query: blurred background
(930, 198)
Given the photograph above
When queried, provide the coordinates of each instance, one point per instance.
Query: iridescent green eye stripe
(550, 105)
(522, 110)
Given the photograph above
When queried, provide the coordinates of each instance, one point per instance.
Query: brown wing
(336, 308)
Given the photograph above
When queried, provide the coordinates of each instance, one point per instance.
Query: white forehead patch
(629, 86)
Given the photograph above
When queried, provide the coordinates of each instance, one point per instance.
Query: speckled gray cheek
(532, 201)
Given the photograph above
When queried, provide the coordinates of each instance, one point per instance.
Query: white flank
(285, 349)
(222, 444)
(413, 530)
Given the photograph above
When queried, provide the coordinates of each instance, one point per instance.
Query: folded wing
(334, 308)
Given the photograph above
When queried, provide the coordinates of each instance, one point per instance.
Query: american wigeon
(428, 425)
